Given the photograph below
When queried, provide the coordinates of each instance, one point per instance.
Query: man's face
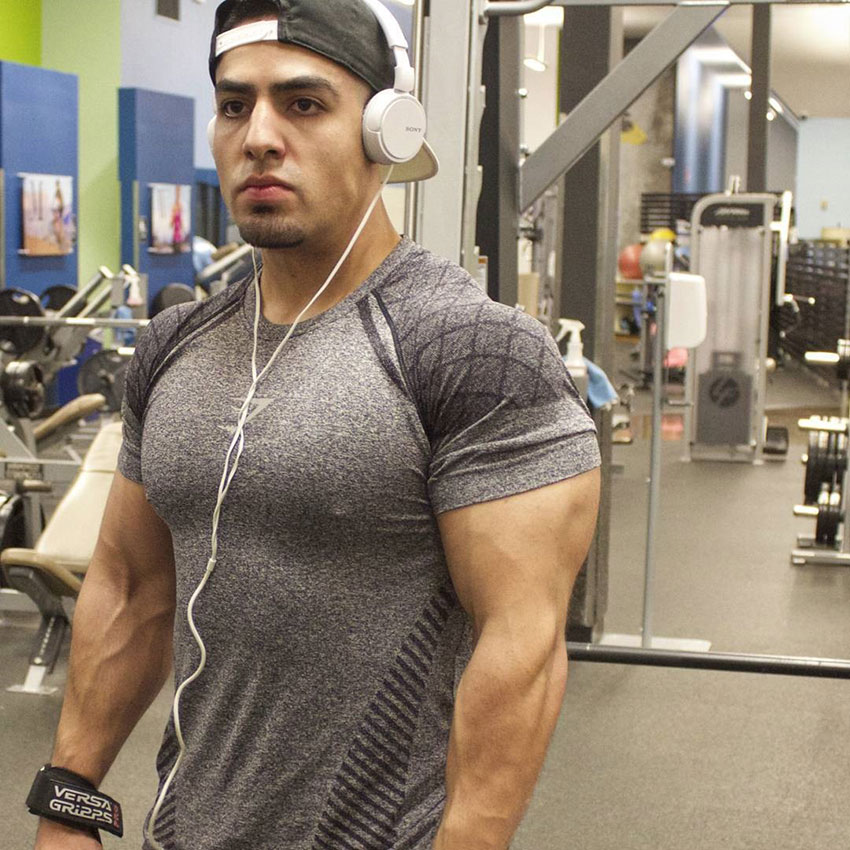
(288, 146)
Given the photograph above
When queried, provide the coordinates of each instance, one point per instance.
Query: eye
(231, 108)
(306, 106)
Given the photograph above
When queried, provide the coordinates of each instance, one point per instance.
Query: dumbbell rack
(826, 492)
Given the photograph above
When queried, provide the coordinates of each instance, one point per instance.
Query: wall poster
(171, 221)
(48, 215)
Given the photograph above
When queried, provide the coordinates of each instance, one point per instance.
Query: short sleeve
(150, 349)
(503, 413)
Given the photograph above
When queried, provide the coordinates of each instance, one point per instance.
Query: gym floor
(643, 758)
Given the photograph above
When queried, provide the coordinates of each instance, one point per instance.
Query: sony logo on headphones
(413, 129)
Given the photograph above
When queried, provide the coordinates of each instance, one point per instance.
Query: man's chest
(328, 435)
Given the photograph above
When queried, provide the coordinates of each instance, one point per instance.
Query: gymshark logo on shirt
(258, 405)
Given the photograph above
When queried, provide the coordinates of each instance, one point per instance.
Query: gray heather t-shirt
(334, 637)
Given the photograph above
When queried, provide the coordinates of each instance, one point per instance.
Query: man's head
(292, 78)
(344, 31)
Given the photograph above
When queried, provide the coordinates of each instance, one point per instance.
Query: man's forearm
(507, 706)
(120, 658)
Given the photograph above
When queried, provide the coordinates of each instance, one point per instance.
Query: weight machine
(732, 238)
(825, 484)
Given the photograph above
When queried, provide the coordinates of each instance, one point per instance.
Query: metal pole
(654, 467)
(757, 142)
(655, 448)
(72, 321)
(779, 665)
(472, 173)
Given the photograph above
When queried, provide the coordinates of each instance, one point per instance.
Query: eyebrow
(305, 82)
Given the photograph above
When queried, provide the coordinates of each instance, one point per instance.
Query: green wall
(20, 31)
(83, 37)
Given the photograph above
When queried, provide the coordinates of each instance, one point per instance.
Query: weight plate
(169, 295)
(829, 516)
(817, 469)
(104, 373)
(831, 463)
(54, 298)
(811, 486)
(17, 341)
(22, 384)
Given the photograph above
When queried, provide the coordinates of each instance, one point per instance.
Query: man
(416, 489)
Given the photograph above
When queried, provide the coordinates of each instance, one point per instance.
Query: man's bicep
(510, 557)
(134, 544)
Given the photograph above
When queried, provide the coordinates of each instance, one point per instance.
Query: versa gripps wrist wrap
(66, 797)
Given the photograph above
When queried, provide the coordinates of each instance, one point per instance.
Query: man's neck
(292, 276)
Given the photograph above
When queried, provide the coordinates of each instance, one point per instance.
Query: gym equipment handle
(780, 665)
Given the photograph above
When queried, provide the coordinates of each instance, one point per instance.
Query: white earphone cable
(238, 444)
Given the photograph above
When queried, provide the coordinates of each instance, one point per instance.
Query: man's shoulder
(429, 297)
(174, 323)
(167, 334)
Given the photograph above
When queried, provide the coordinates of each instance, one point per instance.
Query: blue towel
(600, 391)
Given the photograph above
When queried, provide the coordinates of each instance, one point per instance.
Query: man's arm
(513, 563)
(121, 646)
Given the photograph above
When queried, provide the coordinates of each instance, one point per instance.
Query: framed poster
(171, 222)
(48, 215)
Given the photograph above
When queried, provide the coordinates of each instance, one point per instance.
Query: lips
(264, 187)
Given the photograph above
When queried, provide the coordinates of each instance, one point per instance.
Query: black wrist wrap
(68, 798)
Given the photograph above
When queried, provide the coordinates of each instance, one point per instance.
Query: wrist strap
(68, 798)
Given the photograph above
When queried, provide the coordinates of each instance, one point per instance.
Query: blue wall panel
(156, 145)
(38, 134)
(700, 124)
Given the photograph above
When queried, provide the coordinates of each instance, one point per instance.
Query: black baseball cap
(344, 31)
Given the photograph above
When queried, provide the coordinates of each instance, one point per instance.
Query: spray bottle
(574, 358)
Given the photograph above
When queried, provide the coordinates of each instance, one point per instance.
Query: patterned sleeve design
(496, 401)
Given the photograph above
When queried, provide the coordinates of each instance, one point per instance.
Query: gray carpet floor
(642, 758)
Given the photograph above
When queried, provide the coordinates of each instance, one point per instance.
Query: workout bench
(54, 569)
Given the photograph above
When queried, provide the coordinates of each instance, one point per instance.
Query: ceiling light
(534, 64)
(748, 94)
(770, 115)
(776, 105)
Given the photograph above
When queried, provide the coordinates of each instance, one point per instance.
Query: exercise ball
(652, 257)
(662, 234)
(629, 262)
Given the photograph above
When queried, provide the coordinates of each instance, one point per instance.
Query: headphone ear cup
(211, 132)
(393, 127)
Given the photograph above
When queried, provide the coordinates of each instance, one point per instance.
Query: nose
(264, 133)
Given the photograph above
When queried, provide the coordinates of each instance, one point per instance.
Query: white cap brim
(423, 166)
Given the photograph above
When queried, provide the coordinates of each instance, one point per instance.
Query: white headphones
(394, 120)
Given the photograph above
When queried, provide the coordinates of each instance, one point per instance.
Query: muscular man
(383, 609)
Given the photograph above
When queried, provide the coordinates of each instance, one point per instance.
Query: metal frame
(757, 131)
(440, 205)
(622, 87)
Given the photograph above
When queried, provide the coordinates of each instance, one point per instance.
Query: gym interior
(667, 189)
